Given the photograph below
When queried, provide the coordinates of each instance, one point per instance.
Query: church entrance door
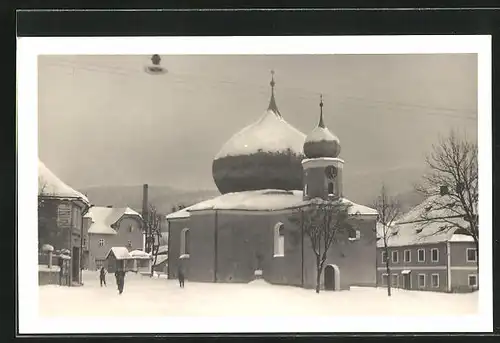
(331, 278)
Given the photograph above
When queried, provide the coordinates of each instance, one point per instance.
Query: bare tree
(454, 174)
(178, 207)
(388, 209)
(153, 234)
(42, 187)
(324, 222)
(43, 217)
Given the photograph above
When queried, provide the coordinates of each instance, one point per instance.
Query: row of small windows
(422, 280)
(471, 255)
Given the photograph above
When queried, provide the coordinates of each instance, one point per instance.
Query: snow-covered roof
(50, 185)
(160, 259)
(103, 218)
(260, 200)
(461, 238)
(140, 254)
(179, 214)
(320, 134)
(411, 229)
(163, 249)
(271, 133)
(121, 253)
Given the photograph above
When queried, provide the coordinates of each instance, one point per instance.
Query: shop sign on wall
(64, 215)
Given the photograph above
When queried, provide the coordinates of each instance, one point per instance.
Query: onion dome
(321, 142)
(264, 155)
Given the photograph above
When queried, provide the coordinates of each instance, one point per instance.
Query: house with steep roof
(108, 227)
(60, 218)
(429, 255)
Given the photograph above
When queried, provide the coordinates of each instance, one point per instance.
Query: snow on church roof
(103, 218)
(271, 133)
(260, 200)
(50, 185)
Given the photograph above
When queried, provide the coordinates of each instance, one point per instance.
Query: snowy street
(163, 297)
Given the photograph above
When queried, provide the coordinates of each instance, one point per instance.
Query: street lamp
(155, 68)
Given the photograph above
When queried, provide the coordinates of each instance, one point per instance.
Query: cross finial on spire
(321, 123)
(272, 103)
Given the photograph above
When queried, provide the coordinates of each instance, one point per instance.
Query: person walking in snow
(102, 276)
(120, 280)
(180, 273)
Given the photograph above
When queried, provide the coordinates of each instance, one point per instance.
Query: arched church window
(279, 239)
(185, 241)
(330, 188)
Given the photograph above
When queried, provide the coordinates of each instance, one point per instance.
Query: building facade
(60, 222)
(248, 230)
(108, 227)
(423, 256)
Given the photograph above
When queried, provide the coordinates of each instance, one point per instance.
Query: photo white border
(27, 132)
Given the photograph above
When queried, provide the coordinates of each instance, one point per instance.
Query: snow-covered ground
(163, 297)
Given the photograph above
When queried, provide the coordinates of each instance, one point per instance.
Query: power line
(179, 78)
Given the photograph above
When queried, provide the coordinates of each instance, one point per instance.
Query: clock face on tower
(330, 172)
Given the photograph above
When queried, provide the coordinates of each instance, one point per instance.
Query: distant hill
(163, 197)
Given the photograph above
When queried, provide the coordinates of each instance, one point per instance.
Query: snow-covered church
(264, 172)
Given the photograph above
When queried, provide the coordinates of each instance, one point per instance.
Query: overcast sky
(103, 121)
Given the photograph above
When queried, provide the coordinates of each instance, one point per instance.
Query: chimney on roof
(109, 206)
(443, 190)
(145, 201)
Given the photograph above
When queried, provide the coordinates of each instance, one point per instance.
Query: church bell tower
(322, 167)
